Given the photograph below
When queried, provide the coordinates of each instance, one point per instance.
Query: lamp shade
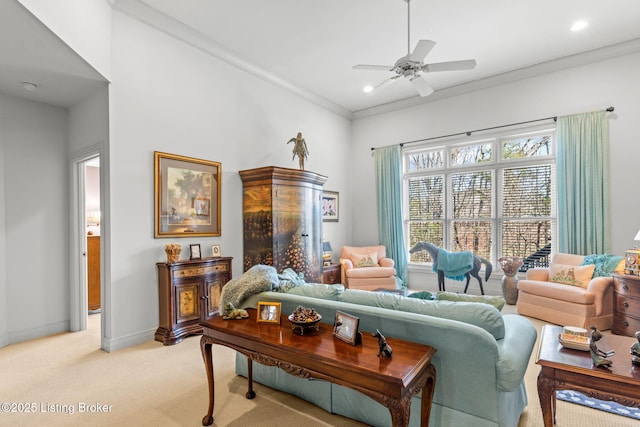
(637, 236)
(326, 246)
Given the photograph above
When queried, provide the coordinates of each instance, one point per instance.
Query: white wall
(34, 228)
(593, 87)
(85, 25)
(168, 96)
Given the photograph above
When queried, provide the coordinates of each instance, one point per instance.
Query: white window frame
(496, 165)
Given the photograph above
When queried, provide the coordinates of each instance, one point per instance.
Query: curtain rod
(468, 133)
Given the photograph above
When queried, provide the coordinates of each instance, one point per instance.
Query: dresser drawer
(625, 325)
(627, 285)
(626, 305)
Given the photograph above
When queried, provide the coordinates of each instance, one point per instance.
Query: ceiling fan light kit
(412, 66)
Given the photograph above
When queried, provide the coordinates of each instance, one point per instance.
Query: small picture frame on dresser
(195, 251)
(215, 251)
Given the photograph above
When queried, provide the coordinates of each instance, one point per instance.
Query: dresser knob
(625, 288)
(625, 324)
(625, 304)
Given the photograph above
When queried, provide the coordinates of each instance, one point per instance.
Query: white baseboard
(114, 344)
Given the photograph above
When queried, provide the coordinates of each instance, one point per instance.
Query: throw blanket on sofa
(454, 264)
(258, 278)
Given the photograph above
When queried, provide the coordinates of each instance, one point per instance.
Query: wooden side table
(331, 274)
(626, 304)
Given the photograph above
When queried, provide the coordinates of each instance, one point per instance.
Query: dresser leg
(250, 393)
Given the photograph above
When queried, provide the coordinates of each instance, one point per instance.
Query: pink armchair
(563, 304)
(367, 268)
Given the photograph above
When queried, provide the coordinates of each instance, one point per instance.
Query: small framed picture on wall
(215, 251)
(330, 208)
(195, 251)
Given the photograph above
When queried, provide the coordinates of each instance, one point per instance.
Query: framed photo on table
(195, 251)
(345, 327)
(330, 206)
(215, 251)
(187, 196)
(268, 312)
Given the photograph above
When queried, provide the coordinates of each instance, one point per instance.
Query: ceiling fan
(412, 66)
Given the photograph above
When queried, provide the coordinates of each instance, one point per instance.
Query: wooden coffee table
(567, 369)
(391, 381)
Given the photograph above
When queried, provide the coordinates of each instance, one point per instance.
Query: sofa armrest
(602, 289)
(386, 262)
(539, 274)
(346, 265)
(514, 351)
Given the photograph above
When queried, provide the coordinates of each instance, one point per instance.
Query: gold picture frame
(187, 196)
(268, 312)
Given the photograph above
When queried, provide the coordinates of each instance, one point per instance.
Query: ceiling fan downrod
(408, 26)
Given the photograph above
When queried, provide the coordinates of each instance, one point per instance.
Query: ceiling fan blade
(385, 83)
(467, 64)
(373, 67)
(421, 86)
(421, 50)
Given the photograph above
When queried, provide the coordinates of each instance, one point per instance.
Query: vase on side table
(510, 289)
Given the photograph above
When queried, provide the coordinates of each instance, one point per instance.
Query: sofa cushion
(481, 315)
(364, 260)
(605, 264)
(557, 291)
(370, 272)
(571, 274)
(484, 316)
(317, 290)
(495, 300)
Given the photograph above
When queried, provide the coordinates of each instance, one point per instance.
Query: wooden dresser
(331, 274)
(189, 293)
(626, 304)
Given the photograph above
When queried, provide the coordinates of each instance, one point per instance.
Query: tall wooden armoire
(282, 216)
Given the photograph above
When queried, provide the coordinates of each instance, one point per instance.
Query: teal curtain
(389, 196)
(582, 183)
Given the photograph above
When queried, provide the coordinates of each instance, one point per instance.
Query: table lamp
(326, 253)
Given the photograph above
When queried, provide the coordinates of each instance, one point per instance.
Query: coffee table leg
(546, 394)
(205, 348)
(427, 396)
(250, 393)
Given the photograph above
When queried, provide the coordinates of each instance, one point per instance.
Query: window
(494, 196)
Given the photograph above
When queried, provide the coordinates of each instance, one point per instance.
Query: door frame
(78, 242)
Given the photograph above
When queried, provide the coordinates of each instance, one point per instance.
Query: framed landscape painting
(330, 200)
(187, 196)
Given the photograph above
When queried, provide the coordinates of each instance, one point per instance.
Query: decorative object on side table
(195, 251)
(510, 266)
(299, 149)
(326, 253)
(268, 312)
(304, 320)
(230, 312)
(173, 251)
(345, 328)
(385, 349)
(635, 350)
(632, 259)
(215, 251)
(599, 357)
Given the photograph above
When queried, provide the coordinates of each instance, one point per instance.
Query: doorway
(87, 255)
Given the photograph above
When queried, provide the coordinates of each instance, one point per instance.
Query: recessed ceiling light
(30, 86)
(579, 25)
(368, 89)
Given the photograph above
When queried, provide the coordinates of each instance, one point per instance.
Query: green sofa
(480, 363)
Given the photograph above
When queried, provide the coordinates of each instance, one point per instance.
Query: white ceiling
(310, 46)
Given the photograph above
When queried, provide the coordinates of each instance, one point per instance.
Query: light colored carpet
(154, 385)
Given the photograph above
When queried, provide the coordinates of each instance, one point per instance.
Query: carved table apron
(567, 369)
(389, 381)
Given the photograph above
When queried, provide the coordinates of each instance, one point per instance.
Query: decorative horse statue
(469, 267)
